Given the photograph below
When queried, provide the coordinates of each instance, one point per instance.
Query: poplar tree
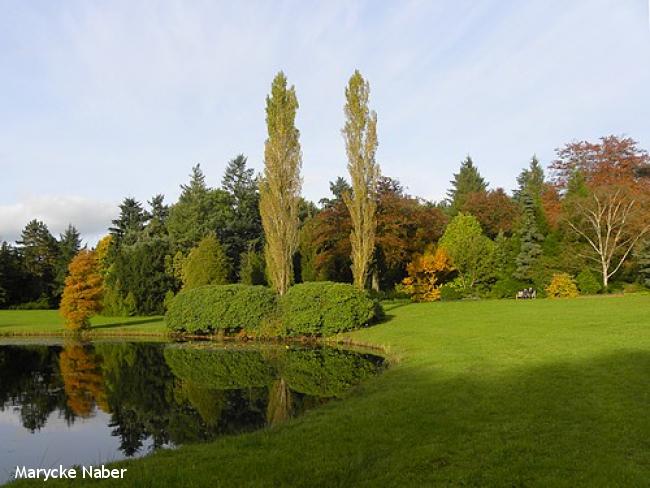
(281, 183)
(360, 134)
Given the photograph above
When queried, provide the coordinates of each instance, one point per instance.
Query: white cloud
(90, 217)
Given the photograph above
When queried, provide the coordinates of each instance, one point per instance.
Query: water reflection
(116, 400)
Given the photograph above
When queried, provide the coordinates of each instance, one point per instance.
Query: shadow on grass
(571, 423)
(117, 323)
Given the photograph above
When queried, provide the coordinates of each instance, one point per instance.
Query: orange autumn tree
(425, 273)
(83, 291)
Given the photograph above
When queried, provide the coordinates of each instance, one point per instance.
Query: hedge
(227, 308)
(325, 308)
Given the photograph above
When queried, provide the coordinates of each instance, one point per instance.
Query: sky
(100, 100)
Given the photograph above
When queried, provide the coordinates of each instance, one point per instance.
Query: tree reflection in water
(169, 394)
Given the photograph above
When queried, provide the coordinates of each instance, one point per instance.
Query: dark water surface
(76, 403)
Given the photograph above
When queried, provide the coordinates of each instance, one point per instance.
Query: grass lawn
(488, 393)
(49, 322)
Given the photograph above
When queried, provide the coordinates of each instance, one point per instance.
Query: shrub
(448, 292)
(43, 303)
(587, 283)
(507, 288)
(424, 273)
(325, 308)
(227, 308)
(634, 288)
(562, 286)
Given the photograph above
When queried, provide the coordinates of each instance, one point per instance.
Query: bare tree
(612, 223)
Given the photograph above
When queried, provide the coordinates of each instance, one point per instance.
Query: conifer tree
(468, 180)
(82, 295)
(243, 227)
(360, 133)
(69, 244)
(128, 227)
(281, 184)
(530, 239)
(531, 181)
(644, 264)
(206, 264)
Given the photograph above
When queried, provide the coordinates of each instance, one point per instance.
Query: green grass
(49, 322)
(488, 393)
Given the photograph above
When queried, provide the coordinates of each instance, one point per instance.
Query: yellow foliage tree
(562, 286)
(83, 291)
(424, 274)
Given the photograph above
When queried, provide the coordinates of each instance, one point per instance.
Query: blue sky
(105, 99)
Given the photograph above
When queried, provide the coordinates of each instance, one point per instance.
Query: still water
(75, 403)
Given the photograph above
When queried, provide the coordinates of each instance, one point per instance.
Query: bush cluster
(216, 308)
(314, 309)
(326, 308)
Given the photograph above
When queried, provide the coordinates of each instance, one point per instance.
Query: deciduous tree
(360, 134)
(281, 184)
(82, 295)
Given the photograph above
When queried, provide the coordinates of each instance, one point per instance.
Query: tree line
(585, 217)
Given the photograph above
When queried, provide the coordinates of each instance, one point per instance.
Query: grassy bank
(488, 393)
(50, 322)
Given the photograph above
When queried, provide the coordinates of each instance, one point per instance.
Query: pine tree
(206, 264)
(158, 215)
(243, 227)
(468, 180)
(200, 211)
(360, 133)
(531, 181)
(83, 291)
(69, 245)
(531, 240)
(281, 184)
(128, 227)
(643, 257)
(39, 254)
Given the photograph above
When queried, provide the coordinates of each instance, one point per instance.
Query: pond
(80, 403)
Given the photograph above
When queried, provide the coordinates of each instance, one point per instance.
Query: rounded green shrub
(227, 308)
(587, 283)
(325, 308)
(507, 288)
(449, 292)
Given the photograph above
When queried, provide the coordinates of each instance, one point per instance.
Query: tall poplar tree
(281, 183)
(360, 134)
